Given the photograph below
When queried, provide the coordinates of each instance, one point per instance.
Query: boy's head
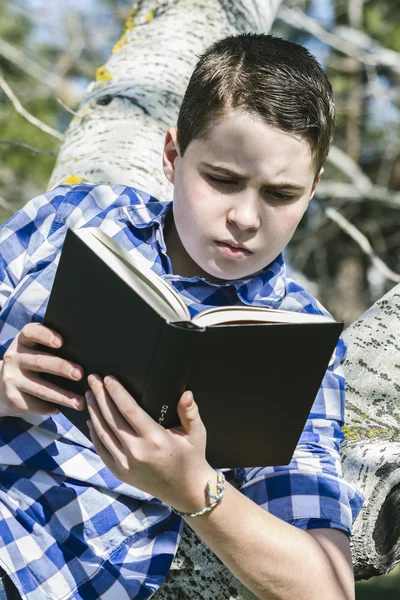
(270, 78)
(254, 129)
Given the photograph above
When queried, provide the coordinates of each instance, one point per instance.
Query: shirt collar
(153, 212)
(265, 288)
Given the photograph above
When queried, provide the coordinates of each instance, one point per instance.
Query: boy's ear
(316, 181)
(171, 153)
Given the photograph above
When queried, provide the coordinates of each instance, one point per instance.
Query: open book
(254, 372)
(163, 298)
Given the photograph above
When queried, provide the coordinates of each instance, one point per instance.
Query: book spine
(170, 371)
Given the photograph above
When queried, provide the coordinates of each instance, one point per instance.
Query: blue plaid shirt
(68, 527)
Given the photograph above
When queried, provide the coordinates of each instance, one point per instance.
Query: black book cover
(254, 383)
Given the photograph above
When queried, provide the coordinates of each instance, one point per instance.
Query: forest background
(348, 245)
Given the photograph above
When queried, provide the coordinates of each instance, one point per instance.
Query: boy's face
(238, 197)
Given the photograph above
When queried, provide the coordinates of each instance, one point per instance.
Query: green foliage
(13, 27)
(23, 174)
(382, 21)
(25, 164)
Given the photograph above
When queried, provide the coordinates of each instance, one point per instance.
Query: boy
(253, 132)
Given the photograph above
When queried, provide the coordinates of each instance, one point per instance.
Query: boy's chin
(214, 272)
(228, 274)
(212, 269)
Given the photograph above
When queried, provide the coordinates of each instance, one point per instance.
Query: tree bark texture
(118, 138)
(119, 133)
(371, 453)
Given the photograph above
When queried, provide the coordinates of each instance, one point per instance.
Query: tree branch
(29, 66)
(67, 108)
(374, 54)
(351, 169)
(27, 115)
(348, 191)
(28, 147)
(362, 241)
(346, 40)
(76, 45)
(6, 205)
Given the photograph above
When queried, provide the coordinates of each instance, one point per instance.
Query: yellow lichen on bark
(120, 43)
(353, 433)
(129, 25)
(102, 75)
(73, 180)
(129, 22)
(82, 114)
(349, 433)
(150, 15)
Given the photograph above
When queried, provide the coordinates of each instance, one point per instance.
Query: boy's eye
(218, 180)
(269, 192)
(281, 195)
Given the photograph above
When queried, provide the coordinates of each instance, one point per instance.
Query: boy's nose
(245, 214)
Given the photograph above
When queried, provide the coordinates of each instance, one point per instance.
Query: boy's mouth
(232, 249)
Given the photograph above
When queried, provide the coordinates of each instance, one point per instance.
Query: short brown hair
(266, 76)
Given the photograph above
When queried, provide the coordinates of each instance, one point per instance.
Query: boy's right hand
(22, 390)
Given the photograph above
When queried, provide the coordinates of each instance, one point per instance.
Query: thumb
(188, 413)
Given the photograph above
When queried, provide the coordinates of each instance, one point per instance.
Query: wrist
(194, 495)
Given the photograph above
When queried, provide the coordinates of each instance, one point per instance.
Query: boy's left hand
(169, 464)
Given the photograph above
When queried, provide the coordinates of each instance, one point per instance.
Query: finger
(100, 448)
(36, 333)
(189, 415)
(44, 390)
(110, 413)
(26, 404)
(103, 432)
(41, 362)
(141, 422)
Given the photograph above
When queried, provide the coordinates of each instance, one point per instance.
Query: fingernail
(76, 374)
(55, 341)
(80, 403)
(92, 379)
(108, 379)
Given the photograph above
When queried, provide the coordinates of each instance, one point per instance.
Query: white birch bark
(118, 138)
(371, 454)
(126, 112)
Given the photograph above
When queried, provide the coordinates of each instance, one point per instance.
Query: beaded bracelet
(217, 497)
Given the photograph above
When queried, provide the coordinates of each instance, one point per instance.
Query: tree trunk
(371, 454)
(118, 138)
(119, 134)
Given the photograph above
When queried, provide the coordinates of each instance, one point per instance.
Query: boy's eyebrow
(291, 187)
(276, 186)
(223, 170)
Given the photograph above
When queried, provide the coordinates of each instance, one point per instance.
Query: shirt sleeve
(20, 238)
(310, 492)
(31, 242)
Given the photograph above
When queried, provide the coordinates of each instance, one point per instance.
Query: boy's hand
(169, 464)
(22, 390)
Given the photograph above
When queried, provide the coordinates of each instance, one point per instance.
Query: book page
(253, 314)
(147, 284)
(140, 267)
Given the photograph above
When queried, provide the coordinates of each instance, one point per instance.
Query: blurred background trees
(348, 245)
(357, 42)
(49, 51)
